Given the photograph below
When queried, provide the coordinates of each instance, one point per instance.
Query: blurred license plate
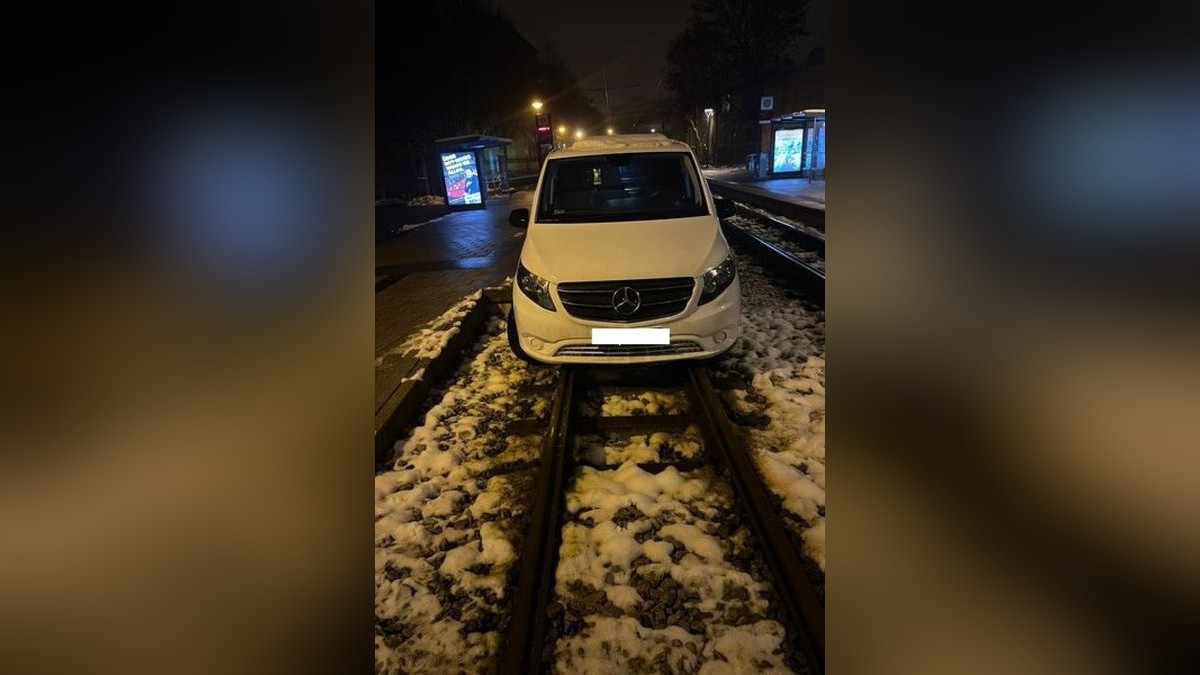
(631, 336)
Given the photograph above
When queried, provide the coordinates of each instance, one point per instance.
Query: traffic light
(545, 133)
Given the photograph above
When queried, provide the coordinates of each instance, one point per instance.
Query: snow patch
(779, 357)
(445, 536)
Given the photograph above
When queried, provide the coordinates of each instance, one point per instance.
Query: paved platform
(392, 219)
(423, 272)
(799, 191)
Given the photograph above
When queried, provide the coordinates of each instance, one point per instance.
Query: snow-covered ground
(777, 370)
(656, 574)
(429, 340)
(647, 402)
(773, 235)
(449, 517)
(427, 200)
(422, 200)
(644, 448)
(793, 223)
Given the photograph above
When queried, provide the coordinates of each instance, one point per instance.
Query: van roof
(597, 145)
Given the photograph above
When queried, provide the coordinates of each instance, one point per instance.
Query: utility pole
(710, 116)
(607, 104)
(543, 132)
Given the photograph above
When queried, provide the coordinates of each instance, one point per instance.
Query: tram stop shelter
(793, 146)
(472, 166)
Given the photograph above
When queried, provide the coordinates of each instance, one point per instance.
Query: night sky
(627, 38)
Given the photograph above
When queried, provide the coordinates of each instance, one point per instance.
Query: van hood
(646, 249)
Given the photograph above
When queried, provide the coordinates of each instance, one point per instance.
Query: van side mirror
(725, 208)
(518, 218)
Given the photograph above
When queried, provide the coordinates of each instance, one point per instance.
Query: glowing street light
(537, 106)
(610, 131)
(578, 134)
(562, 129)
(652, 130)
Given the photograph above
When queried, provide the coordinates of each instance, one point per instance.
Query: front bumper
(703, 331)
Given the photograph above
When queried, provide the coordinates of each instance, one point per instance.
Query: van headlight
(717, 280)
(534, 287)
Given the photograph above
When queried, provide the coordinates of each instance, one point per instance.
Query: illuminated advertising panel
(462, 178)
(788, 153)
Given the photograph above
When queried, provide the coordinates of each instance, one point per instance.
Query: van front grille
(657, 298)
(681, 347)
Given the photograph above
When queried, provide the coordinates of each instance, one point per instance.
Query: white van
(624, 260)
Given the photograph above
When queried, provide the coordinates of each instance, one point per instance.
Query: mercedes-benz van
(624, 260)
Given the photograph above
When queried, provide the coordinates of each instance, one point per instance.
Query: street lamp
(562, 129)
(537, 106)
(610, 131)
(578, 134)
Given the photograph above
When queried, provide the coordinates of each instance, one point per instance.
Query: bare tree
(726, 57)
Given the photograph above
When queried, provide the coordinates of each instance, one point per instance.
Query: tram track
(542, 620)
(803, 237)
(480, 605)
(782, 257)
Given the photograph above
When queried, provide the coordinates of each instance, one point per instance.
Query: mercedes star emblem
(626, 300)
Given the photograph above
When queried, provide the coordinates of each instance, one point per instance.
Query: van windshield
(629, 186)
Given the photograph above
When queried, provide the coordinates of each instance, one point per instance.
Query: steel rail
(535, 584)
(525, 648)
(803, 238)
(799, 598)
(811, 281)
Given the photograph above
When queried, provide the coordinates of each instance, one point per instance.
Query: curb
(813, 217)
(400, 409)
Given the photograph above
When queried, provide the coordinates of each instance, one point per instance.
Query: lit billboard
(788, 153)
(462, 178)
